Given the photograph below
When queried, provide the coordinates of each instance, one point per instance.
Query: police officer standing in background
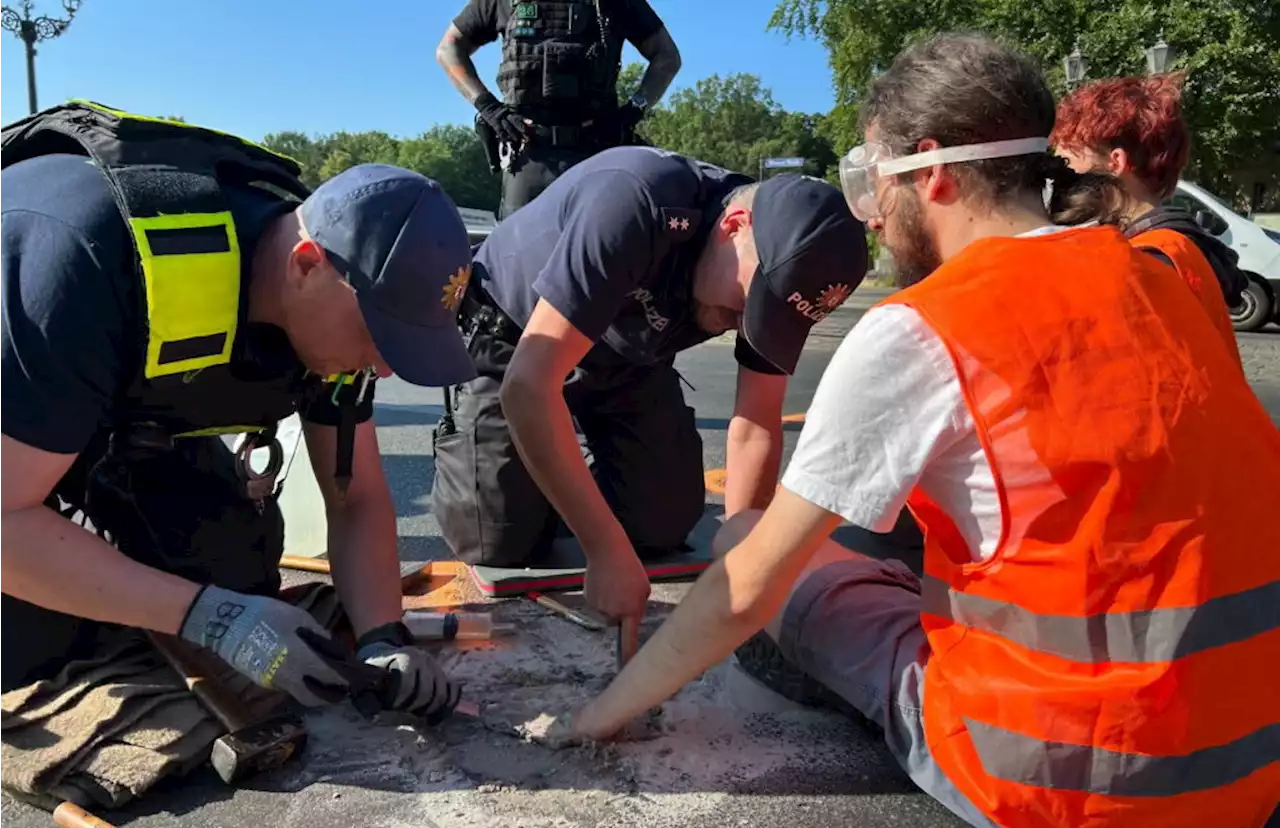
(558, 82)
(630, 257)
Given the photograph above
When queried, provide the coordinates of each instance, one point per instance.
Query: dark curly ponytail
(1077, 198)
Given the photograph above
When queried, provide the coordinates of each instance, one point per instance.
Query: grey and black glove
(267, 640)
(506, 122)
(415, 683)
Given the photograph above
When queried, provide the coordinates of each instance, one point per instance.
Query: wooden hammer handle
(305, 564)
(185, 661)
(71, 815)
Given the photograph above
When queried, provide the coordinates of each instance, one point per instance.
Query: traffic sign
(782, 163)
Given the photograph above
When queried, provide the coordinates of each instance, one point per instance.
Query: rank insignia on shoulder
(680, 223)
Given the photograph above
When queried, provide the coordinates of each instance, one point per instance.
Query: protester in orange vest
(1095, 640)
(1132, 128)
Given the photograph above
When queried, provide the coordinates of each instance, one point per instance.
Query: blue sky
(257, 66)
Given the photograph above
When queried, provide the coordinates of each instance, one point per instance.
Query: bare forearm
(454, 58)
(733, 599)
(53, 563)
(542, 430)
(754, 459)
(366, 566)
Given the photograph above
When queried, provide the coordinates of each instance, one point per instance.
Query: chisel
(628, 640)
(579, 618)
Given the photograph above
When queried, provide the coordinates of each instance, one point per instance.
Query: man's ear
(304, 260)
(936, 183)
(736, 218)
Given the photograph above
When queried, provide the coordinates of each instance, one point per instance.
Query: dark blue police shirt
(612, 245)
(74, 323)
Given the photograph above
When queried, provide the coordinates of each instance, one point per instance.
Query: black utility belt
(479, 314)
(584, 135)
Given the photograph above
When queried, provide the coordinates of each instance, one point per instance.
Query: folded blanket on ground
(106, 729)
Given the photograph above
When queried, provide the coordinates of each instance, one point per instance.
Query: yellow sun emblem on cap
(452, 292)
(833, 296)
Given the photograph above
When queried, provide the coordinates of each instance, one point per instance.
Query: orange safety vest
(1117, 660)
(1196, 271)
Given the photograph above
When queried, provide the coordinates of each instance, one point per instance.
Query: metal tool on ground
(71, 815)
(250, 745)
(447, 626)
(628, 640)
(578, 617)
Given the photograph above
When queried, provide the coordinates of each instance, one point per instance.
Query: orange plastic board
(440, 584)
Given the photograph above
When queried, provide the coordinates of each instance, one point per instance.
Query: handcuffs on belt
(258, 486)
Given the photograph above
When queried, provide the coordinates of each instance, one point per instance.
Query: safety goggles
(865, 164)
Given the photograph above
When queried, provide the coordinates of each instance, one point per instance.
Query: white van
(480, 223)
(1258, 248)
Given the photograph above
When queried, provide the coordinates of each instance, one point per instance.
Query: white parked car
(480, 223)
(1258, 248)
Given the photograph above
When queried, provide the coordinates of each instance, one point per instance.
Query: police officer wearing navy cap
(165, 285)
(578, 304)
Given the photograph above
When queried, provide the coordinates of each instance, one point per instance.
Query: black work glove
(509, 126)
(415, 683)
(629, 117)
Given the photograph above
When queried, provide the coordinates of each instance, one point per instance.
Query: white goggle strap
(955, 155)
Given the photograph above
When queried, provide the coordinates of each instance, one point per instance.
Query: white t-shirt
(889, 415)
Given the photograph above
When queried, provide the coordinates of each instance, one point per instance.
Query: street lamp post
(1158, 56)
(31, 30)
(1075, 66)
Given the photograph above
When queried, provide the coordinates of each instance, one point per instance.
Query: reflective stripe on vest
(1116, 660)
(168, 179)
(1066, 767)
(191, 267)
(1142, 637)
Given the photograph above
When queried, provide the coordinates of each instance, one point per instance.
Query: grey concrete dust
(722, 738)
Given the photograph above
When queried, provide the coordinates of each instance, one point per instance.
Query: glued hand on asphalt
(267, 640)
(570, 729)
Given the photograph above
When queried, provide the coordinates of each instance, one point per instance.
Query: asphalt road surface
(855, 783)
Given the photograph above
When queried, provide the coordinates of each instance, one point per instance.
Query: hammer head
(258, 747)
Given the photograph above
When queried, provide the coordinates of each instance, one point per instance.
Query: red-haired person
(1133, 129)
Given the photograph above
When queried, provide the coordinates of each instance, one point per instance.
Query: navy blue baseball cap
(813, 253)
(402, 245)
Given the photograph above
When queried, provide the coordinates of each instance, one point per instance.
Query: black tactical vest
(560, 61)
(167, 178)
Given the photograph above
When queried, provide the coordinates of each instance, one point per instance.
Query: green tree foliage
(451, 154)
(734, 122)
(1230, 50)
